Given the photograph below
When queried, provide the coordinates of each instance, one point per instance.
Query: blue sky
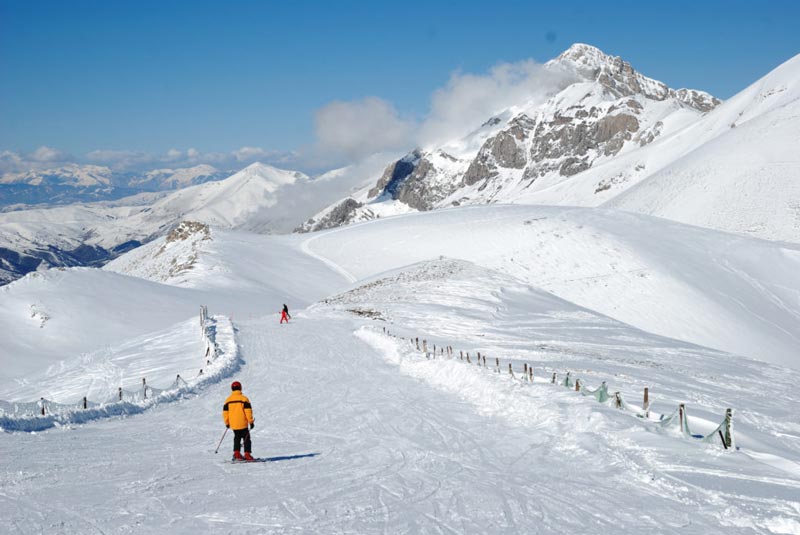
(147, 77)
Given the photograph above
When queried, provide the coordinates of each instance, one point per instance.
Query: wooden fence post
(554, 378)
(646, 404)
(484, 361)
(144, 387)
(728, 442)
(120, 393)
(468, 361)
(510, 370)
(530, 374)
(525, 368)
(577, 385)
(84, 402)
(425, 346)
(42, 399)
(618, 400)
(682, 417)
(461, 355)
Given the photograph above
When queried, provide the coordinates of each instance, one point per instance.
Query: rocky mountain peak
(620, 79)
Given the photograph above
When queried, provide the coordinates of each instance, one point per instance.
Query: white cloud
(468, 100)
(249, 153)
(41, 158)
(361, 127)
(47, 155)
(173, 154)
(370, 125)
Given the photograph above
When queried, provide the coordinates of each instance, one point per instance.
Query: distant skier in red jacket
(285, 314)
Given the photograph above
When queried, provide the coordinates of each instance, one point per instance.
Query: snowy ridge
(223, 359)
(444, 372)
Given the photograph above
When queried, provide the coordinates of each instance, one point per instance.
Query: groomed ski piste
(364, 433)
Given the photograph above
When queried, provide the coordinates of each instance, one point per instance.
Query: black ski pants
(238, 435)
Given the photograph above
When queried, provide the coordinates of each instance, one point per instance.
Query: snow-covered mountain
(68, 175)
(610, 129)
(259, 198)
(74, 183)
(746, 177)
(161, 179)
(605, 109)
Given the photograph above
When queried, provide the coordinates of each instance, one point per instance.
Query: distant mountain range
(259, 198)
(88, 183)
(608, 137)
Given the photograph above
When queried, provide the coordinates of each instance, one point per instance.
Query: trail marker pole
(646, 403)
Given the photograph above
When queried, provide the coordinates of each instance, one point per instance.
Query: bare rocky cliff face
(611, 108)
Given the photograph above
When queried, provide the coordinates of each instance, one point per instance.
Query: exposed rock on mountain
(610, 109)
(343, 213)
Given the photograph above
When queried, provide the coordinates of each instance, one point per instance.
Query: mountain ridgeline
(604, 136)
(608, 109)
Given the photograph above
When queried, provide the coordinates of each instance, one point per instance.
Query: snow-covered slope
(747, 178)
(714, 289)
(359, 432)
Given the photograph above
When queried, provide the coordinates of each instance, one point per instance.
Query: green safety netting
(600, 393)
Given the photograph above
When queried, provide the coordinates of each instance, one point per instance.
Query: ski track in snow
(392, 455)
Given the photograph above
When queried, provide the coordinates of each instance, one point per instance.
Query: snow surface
(718, 290)
(734, 169)
(364, 434)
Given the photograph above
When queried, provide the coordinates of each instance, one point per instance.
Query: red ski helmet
(236, 385)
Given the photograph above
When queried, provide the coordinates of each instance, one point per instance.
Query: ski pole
(220, 440)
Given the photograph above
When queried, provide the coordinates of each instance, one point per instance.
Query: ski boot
(248, 457)
(237, 456)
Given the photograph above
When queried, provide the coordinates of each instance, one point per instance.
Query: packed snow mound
(718, 290)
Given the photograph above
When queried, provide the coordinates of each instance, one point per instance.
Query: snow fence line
(221, 359)
(678, 418)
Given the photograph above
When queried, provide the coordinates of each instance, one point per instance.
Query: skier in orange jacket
(238, 415)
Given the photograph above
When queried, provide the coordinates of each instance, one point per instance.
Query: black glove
(252, 425)
(227, 426)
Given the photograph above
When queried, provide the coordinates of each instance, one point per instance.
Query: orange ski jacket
(237, 412)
